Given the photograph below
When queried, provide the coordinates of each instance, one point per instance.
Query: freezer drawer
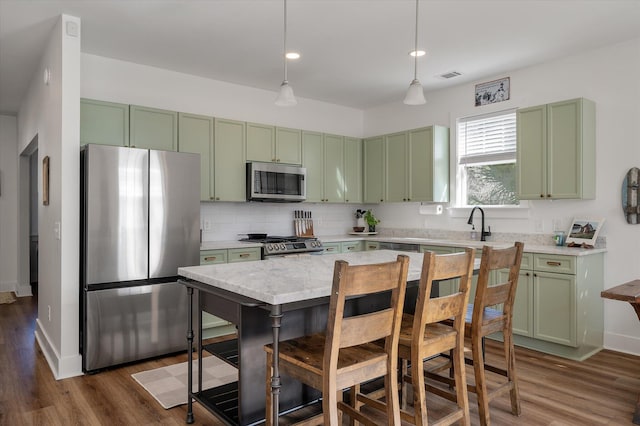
(134, 323)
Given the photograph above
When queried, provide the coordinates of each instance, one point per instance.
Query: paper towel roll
(432, 209)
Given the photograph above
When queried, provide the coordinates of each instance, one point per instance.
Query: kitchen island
(272, 300)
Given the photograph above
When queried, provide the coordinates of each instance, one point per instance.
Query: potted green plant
(371, 220)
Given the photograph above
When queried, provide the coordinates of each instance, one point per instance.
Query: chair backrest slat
(492, 260)
(383, 323)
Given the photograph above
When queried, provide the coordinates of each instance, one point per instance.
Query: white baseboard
(23, 290)
(61, 368)
(622, 343)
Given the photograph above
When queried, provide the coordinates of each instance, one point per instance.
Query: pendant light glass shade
(285, 97)
(415, 94)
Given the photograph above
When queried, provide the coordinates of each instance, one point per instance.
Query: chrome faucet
(483, 233)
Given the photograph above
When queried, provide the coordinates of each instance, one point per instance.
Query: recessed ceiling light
(420, 53)
(292, 55)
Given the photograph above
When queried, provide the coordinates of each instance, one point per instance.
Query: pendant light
(415, 94)
(286, 97)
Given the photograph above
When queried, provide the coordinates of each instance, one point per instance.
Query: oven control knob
(282, 246)
(269, 247)
(313, 243)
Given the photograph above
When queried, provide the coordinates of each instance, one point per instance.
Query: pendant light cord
(415, 50)
(284, 54)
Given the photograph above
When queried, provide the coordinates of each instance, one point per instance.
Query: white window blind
(487, 139)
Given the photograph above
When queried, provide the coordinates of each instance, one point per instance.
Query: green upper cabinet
(374, 166)
(195, 134)
(323, 157)
(288, 145)
(396, 157)
(428, 164)
(273, 145)
(417, 165)
(556, 150)
(333, 168)
(105, 123)
(313, 161)
(152, 128)
(352, 170)
(261, 143)
(229, 160)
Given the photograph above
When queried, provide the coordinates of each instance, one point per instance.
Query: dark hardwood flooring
(602, 390)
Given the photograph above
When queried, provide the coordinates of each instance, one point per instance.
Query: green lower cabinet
(213, 326)
(330, 248)
(554, 308)
(351, 246)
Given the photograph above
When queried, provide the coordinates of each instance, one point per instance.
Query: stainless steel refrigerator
(140, 221)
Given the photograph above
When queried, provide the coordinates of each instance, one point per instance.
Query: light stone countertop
(290, 279)
(528, 248)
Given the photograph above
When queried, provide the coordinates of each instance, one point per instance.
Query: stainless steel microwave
(276, 182)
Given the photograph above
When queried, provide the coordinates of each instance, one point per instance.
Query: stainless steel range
(275, 246)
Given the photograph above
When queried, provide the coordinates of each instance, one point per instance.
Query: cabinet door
(396, 167)
(420, 165)
(532, 153)
(261, 143)
(352, 170)
(333, 168)
(374, 170)
(313, 161)
(288, 146)
(229, 160)
(564, 149)
(522, 321)
(195, 135)
(554, 305)
(152, 128)
(104, 123)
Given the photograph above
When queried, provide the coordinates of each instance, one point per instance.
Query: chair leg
(330, 405)
(460, 379)
(481, 383)
(391, 397)
(419, 391)
(268, 400)
(405, 386)
(353, 395)
(510, 357)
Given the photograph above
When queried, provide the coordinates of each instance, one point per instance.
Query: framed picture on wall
(493, 91)
(584, 230)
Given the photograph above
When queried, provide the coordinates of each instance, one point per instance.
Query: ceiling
(354, 52)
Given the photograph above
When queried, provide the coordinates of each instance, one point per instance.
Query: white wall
(52, 113)
(8, 204)
(608, 76)
(125, 82)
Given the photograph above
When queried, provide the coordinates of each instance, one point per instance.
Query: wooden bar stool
(484, 317)
(345, 355)
(423, 335)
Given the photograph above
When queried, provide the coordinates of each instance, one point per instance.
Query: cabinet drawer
(332, 248)
(554, 263)
(527, 261)
(371, 245)
(244, 255)
(351, 246)
(209, 257)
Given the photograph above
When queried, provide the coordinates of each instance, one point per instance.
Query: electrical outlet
(538, 226)
(206, 225)
(56, 230)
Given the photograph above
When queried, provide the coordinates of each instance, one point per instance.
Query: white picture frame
(584, 230)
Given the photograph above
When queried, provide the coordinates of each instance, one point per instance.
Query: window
(487, 160)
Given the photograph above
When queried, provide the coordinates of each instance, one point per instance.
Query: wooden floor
(600, 391)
